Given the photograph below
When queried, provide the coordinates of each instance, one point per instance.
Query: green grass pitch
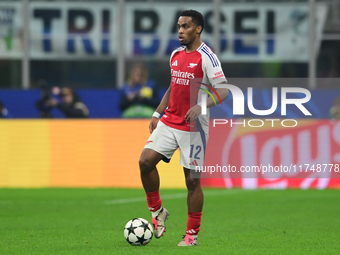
(91, 221)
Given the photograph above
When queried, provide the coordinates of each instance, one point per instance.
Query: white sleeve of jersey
(172, 54)
(213, 69)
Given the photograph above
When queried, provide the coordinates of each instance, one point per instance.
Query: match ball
(138, 231)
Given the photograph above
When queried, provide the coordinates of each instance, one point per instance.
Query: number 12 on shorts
(195, 151)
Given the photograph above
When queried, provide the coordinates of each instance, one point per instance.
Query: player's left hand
(153, 124)
(193, 113)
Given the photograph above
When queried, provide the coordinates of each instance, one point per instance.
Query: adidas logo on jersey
(174, 63)
(193, 163)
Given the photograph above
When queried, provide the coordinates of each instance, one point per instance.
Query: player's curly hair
(197, 17)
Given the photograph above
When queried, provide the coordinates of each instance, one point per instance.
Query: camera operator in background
(66, 100)
(45, 96)
(68, 103)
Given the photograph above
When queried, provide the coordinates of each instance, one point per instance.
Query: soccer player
(182, 126)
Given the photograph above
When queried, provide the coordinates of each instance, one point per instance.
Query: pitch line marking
(174, 196)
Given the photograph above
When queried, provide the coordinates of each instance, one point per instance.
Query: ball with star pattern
(138, 231)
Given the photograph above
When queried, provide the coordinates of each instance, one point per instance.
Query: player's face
(187, 30)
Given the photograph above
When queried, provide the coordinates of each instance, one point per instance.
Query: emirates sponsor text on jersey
(180, 74)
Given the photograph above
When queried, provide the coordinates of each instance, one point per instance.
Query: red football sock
(194, 223)
(154, 200)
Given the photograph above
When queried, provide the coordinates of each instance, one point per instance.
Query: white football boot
(188, 240)
(158, 222)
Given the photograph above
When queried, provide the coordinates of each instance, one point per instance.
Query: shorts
(166, 140)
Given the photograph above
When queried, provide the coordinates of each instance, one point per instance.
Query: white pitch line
(174, 196)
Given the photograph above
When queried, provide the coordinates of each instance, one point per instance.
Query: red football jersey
(188, 72)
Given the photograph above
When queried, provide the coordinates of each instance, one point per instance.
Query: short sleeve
(213, 69)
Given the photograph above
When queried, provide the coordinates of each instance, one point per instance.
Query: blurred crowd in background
(56, 80)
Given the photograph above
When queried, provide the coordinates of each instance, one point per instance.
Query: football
(138, 231)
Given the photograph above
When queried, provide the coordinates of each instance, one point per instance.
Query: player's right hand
(153, 124)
